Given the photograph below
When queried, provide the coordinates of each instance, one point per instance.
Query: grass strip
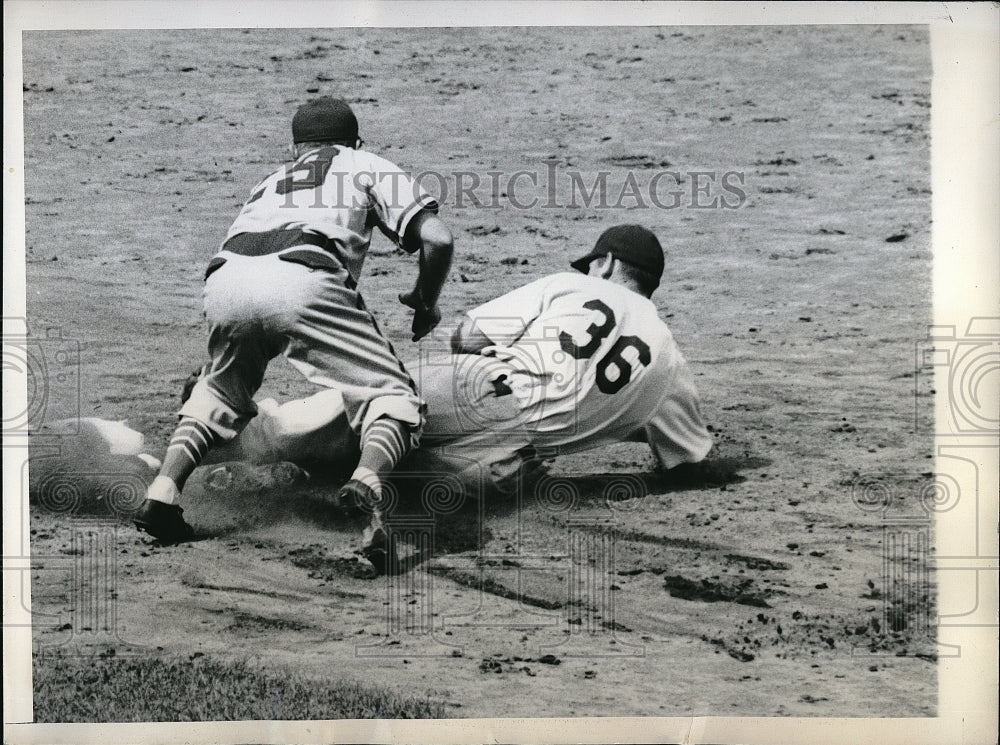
(106, 688)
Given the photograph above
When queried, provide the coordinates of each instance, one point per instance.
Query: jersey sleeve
(504, 319)
(676, 432)
(395, 197)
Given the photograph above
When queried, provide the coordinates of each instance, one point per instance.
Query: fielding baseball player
(572, 361)
(285, 282)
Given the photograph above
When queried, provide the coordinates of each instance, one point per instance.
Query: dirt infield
(786, 171)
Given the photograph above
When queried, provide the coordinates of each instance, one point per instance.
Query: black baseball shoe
(356, 498)
(165, 522)
(375, 547)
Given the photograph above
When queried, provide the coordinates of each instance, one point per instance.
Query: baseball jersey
(336, 192)
(592, 363)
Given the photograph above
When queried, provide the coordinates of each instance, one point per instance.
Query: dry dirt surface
(771, 584)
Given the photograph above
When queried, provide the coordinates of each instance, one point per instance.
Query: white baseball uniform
(284, 282)
(577, 362)
(588, 362)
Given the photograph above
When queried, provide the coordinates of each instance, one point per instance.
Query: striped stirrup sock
(188, 446)
(383, 444)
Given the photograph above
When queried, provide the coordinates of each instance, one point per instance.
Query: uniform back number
(615, 358)
(309, 173)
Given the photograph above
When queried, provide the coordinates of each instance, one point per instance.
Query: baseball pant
(475, 423)
(258, 307)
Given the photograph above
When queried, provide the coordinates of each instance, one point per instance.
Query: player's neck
(627, 282)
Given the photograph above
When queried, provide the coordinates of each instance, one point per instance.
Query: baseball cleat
(165, 522)
(356, 498)
(375, 547)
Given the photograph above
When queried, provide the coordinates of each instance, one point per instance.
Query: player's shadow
(588, 488)
(708, 474)
(466, 529)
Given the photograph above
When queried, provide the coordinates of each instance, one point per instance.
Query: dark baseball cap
(324, 119)
(632, 244)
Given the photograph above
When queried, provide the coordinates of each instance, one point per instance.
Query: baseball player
(285, 282)
(580, 360)
(572, 361)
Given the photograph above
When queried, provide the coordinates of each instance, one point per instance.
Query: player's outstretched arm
(427, 234)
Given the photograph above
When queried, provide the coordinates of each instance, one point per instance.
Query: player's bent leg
(216, 410)
(336, 343)
(383, 444)
(160, 516)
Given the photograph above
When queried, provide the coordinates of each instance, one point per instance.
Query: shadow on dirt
(232, 498)
(464, 528)
(712, 472)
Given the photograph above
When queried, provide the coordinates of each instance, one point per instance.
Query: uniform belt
(272, 241)
(279, 242)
